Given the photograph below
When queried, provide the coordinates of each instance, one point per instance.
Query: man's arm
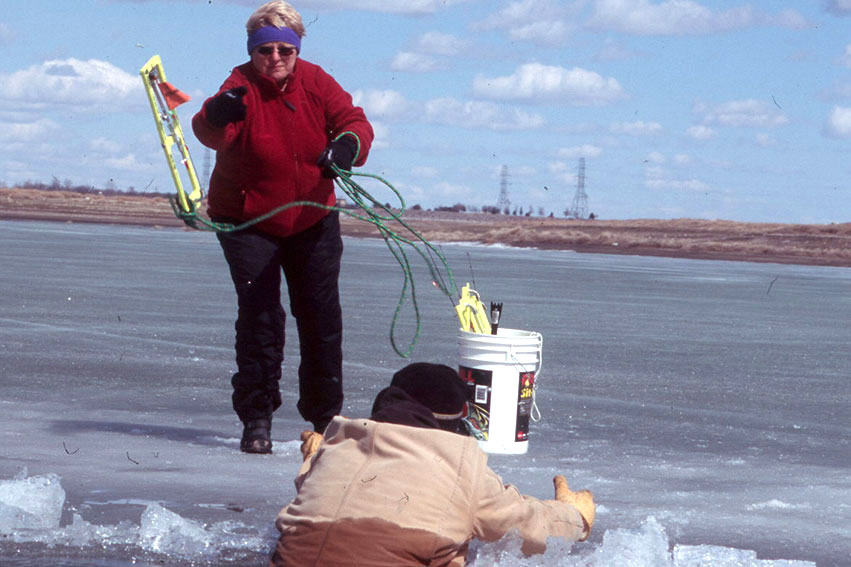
(502, 508)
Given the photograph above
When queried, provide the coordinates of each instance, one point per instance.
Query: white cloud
(838, 124)
(693, 185)
(586, 150)
(655, 157)
(437, 43)
(682, 17)
(26, 131)
(656, 178)
(101, 144)
(409, 7)
(93, 85)
(845, 59)
(410, 62)
(654, 171)
(388, 104)
(544, 22)
(566, 173)
(788, 19)
(546, 32)
(765, 140)
(477, 114)
(613, 50)
(127, 162)
(838, 7)
(424, 171)
(744, 113)
(536, 82)
(638, 128)
(430, 52)
(7, 35)
(524, 170)
(700, 132)
(671, 17)
(837, 91)
(453, 190)
(392, 105)
(382, 134)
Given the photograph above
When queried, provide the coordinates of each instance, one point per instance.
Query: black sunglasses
(283, 51)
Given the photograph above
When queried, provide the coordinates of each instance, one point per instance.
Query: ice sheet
(706, 409)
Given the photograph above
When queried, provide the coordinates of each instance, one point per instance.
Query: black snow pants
(310, 261)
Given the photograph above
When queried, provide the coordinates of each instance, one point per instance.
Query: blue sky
(681, 108)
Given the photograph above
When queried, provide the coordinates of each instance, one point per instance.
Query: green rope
(374, 213)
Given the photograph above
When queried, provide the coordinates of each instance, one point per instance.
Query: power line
(503, 203)
(205, 176)
(579, 208)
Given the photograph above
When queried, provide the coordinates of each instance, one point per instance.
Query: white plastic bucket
(500, 371)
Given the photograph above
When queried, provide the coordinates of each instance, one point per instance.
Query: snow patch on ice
(775, 504)
(706, 555)
(288, 448)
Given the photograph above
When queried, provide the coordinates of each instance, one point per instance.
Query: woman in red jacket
(278, 124)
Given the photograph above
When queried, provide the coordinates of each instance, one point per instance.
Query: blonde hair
(279, 14)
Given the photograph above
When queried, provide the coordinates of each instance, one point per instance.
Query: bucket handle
(535, 413)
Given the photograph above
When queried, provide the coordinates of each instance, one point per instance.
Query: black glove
(227, 107)
(340, 152)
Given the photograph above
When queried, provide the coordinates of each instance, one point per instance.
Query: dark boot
(256, 436)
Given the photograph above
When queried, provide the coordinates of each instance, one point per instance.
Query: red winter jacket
(269, 159)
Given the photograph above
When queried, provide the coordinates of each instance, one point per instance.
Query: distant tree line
(516, 211)
(109, 188)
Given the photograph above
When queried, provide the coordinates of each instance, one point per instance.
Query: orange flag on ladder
(173, 97)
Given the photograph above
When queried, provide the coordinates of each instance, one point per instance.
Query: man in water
(409, 486)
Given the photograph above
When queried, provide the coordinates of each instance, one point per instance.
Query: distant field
(827, 245)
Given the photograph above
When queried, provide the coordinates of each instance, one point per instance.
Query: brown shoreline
(822, 245)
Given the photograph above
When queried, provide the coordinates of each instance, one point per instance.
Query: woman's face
(275, 59)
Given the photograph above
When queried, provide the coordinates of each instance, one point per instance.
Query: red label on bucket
(524, 404)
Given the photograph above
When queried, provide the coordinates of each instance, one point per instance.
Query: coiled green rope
(374, 213)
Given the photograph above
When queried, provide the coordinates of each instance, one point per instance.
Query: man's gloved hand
(227, 107)
(340, 152)
(310, 441)
(582, 500)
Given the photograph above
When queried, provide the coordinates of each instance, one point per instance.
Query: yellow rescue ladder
(164, 98)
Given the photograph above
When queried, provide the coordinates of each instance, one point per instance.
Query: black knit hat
(437, 387)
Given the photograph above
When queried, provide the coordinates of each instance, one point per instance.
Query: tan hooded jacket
(382, 494)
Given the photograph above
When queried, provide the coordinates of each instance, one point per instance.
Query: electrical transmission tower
(503, 204)
(205, 176)
(579, 208)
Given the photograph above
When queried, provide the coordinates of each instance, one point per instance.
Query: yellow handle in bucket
(471, 312)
